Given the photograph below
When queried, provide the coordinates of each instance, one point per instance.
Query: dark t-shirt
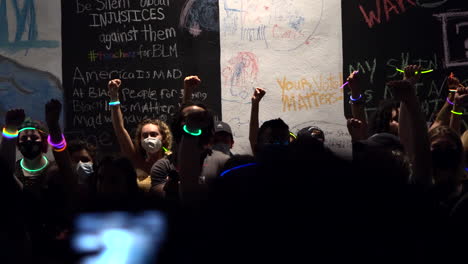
(44, 205)
(165, 168)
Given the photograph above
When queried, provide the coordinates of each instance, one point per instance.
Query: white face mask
(151, 144)
(84, 171)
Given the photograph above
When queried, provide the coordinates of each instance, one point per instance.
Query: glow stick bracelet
(448, 101)
(199, 131)
(292, 135)
(60, 145)
(8, 134)
(422, 72)
(354, 100)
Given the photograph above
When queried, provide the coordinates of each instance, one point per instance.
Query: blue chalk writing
(25, 21)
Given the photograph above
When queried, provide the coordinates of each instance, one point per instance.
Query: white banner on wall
(293, 50)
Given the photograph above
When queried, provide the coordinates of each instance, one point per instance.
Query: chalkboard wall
(151, 45)
(382, 35)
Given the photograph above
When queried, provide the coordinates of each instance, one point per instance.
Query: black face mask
(30, 149)
(445, 159)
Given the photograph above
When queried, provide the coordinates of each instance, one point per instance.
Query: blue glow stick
(235, 168)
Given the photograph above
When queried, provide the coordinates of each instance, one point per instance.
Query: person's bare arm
(417, 143)
(443, 117)
(189, 155)
(356, 129)
(190, 83)
(464, 139)
(13, 120)
(460, 100)
(123, 137)
(62, 158)
(254, 123)
(357, 108)
(404, 119)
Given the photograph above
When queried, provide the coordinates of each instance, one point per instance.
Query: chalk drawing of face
(241, 74)
(200, 16)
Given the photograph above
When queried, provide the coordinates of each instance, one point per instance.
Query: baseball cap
(311, 132)
(222, 127)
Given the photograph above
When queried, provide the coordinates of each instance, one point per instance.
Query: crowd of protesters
(402, 197)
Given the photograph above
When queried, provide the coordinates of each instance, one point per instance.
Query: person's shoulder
(216, 154)
(165, 161)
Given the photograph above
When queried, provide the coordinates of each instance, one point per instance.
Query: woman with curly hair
(153, 139)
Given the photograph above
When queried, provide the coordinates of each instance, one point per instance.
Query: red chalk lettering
(372, 18)
(388, 7)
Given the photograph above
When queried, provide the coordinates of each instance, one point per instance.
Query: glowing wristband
(422, 72)
(448, 101)
(8, 134)
(428, 71)
(165, 149)
(114, 103)
(453, 90)
(61, 149)
(61, 145)
(292, 135)
(354, 100)
(456, 113)
(35, 170)
(197, 133)
(235, 168)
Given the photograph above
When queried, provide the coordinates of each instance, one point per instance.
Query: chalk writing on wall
(308, 94)
(455, 38)
(277, 25)
(26, 34)
(151, 45)
(30, 62)
(384, 10)
(288, 48)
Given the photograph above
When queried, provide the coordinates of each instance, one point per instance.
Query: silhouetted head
(32, 139)
(383, 159)
(116, 177)
(181, 117)
(273, 137)
(447, 153)
(81, 150)
(385, 119)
